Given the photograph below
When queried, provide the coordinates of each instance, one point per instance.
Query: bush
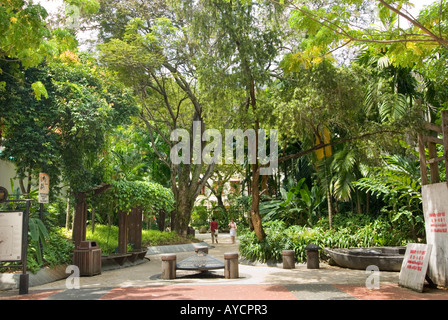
(349, 231)
(57, 251)
(107, 238)
(160, 238)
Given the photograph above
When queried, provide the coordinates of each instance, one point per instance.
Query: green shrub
(159, 238)
(349, 231)
(59, 249)
(107, 238)
(56, 251)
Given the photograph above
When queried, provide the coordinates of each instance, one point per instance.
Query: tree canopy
(346, 84)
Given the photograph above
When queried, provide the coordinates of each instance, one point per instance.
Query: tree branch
(430, 37)
(441, 41)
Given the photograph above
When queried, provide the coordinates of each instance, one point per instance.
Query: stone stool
(231, 265)
(312, 256)
(288, 259)
(168, 266)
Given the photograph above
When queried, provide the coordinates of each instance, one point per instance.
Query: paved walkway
(255, 282)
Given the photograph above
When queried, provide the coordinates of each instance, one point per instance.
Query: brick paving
(256, 282)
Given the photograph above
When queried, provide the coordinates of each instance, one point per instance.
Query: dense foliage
(348, 102)
(150, 197)
(107, 238)
(348, 231)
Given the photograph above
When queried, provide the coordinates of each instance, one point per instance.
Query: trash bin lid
(87, 244)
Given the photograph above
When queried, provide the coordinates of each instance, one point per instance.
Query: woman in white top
(232, 226)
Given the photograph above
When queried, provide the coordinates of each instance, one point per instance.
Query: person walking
(232, 226)
(214, 230)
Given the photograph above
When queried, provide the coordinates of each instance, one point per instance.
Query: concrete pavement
(255, 282)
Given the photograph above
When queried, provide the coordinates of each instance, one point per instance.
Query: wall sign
(44, 187)
(11, 224)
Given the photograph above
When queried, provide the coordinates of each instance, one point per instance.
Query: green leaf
(39, 90)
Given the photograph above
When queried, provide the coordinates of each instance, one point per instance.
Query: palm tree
(337, 174)
(393, 89)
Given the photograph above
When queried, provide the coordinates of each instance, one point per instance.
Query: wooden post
(135, 228)
(122, 231)
(445, 137)
(433, 165)
(422, 157)
(80, 220)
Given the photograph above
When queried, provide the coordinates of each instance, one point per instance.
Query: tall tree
(157, 57)
(246, 39)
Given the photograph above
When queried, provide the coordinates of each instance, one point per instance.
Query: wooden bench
(137, 254)
(119, 258)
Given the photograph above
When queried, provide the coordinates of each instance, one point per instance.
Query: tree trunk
(173, 220)
(220, 202)
(122, 231)
(67, 214)
(255, 211)
(184, 206)
(330, 210)
(135, 227)
(92, 219)
(264, 185)
(161, 220)
(80, 219)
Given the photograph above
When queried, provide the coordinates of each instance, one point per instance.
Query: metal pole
(24, 277)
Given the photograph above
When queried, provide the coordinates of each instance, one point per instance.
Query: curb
(10, 281)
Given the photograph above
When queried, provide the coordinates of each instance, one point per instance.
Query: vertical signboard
(435, 209)
(415, 265)
(44, 187)
(11, 224)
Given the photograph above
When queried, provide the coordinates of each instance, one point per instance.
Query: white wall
(8, 171)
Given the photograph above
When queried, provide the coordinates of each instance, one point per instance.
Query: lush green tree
(28, 127)
(156, 58)
(90, 102)
(23, 40)
(245, 38)
(131, 156)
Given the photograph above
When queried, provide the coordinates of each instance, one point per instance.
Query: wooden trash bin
(87, 257)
